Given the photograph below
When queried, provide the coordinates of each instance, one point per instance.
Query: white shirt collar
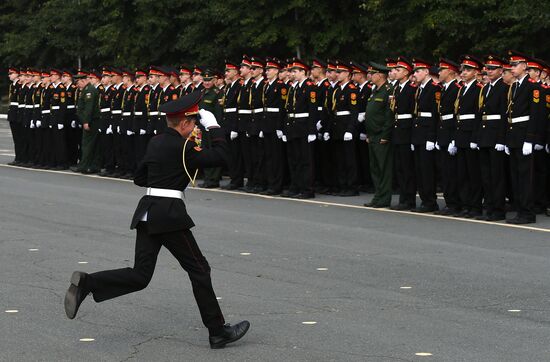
(424, 84)
(402, 85)
(235, 81)
(272, 81)
(495, 82)
(446, 85)
(321, 81)
(521, 80)
(142, 87)
(362, 85)
(257, 82)
(467, 86)
(118, 85)
(302, 82)
(165, 88)
(247, 80)
(342, 86)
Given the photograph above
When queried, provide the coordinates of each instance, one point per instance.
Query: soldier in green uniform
(378, 124)
(88, 116)
(211, 102)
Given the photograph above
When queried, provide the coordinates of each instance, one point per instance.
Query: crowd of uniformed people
(477, 130)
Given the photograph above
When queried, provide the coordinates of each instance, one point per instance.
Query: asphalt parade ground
(319, 280)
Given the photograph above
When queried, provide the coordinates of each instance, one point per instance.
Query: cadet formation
(477, 130)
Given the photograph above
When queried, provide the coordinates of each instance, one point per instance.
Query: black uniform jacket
(447, 118)
(162, 167)
(493, 115)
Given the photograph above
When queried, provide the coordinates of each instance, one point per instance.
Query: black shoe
(496, 217)
(520, 221)
(446, 212)
(76, 169)
(323, 190)
(60, 168)
(304, 195)
(270, 192)
(424, 209)
(13, 163)
(288, 193)
(482, 217)
(346, 193)
(402, 207)
(230, 334)
(89, 171)
(106, 173)
(127, 176)
(230, 187)
(462, 213)
(76, 293)
(473, 214)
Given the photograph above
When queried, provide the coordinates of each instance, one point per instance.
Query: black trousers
(363, 163)
(74, 135)
(15, 127)
(469, 179)
(107, 147)
(59, 140)
(449, 179)
(347, 165)
(257, 162)
(326, 156)
(522, 176)
(540, 182)
(110, 284)
(273, 161)
(300, 162)
(236, 163)
(246, 155)
(25, 140)
(493, 179)
(140, 142)
(424, 162)
(404, 173)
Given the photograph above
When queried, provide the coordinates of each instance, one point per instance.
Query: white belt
(29, 106)
(118, 111)
(36, 105)
(269, 109)
(46, 111)
(301, 115)
(55, 107)
(491, 117)
(319, 108)
(245, 111)
(424, 114)
(463, 117)
(520, 119)
(230, 110)
(343, 113)
(14, 103)
(103, 110)
(291, 115)
(138, 113)
(446, 117)
(162, 113)
(20, 106)
(258, 110)
(403, 116)
(151, 191)
(126, 113)
(155, 113)
(72, 106)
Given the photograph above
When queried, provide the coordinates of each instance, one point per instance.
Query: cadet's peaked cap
(184, 106)
(378, 68)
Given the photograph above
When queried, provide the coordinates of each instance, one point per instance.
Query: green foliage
(141, 32)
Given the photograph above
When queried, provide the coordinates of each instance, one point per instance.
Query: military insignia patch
(88, 95)
(548, 98)
(437, 96)
(313, 96)
(353, 96)
(62, 94)
(283, 91)
(69, 94)
(174, 96)
(536, 96)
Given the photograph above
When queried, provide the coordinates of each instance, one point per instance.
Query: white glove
(348, 136)
(311, 138)
(109, 130)
(233, 135)
(261, 134)
(247, 135)
(507, 150)
(452, 148)
(527, 148)
(473, 146)
(318, 125)
(32, 123)
(118, 129)
(73, 124)
(430, 146)
(539, 147)
(38, 124)
(412, 147)
(437, 146)
(283, 138)
(208, 119)
(142, 132)
(279, 133)
(361, 117)
(362, 136)
(547, 148)
(155, 131)
(499, 147)
(60, 126)
(326, 136)
(129, 133)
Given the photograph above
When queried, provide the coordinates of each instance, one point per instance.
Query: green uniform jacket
(378, 115)
(211, 102)
(88, 106)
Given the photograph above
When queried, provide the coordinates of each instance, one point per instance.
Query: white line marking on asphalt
(322, 269)
(219, 298)
(309, 323)
(514, 310)
(33, 249)
(423, 354)
(87, 339)
(82, 262)
(405, 287)
(245, 254)
(11, 311)
(524, 227)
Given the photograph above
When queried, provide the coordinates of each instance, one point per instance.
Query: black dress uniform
(403, 107)
(37, 117)
(127, 163)
(58, 99)
(161, 219)
(229, 123)
(141, 122)
(117, 97)
(257, 174)
(274, 98)
(27, 93)
(300, 125)
(445, 135)
(13, 108)
(154, 99)
(423, 138)
(105, 128)
(521, 135)
(73, 132)
(345, 112)
(491, 138)
(243, 126)
(363, 94)
(46, 131)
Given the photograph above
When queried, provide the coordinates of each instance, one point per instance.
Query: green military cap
(378, 68)
(208, 74)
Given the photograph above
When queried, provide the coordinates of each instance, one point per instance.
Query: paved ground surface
(390, 284)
